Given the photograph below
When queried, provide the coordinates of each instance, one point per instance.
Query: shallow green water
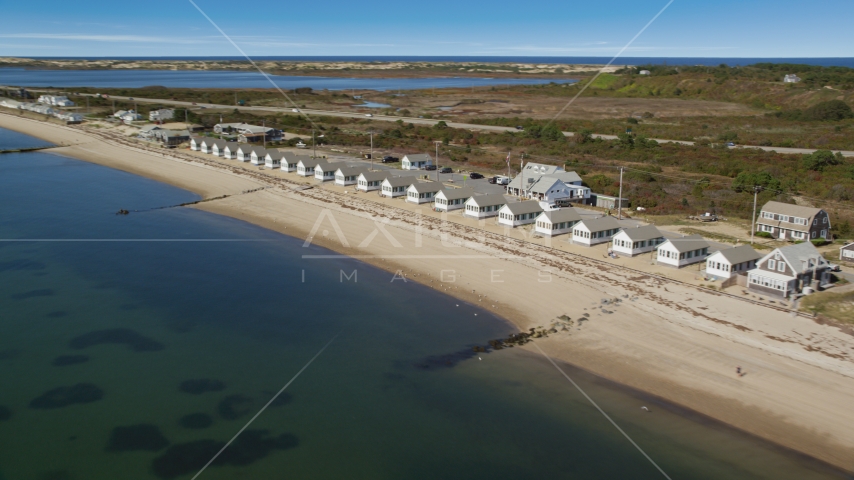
(374, 405)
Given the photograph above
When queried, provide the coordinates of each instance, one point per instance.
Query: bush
(830, 110)
(763, 234)
(818, 242)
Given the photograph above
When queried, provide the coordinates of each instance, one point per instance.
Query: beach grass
(837, 306)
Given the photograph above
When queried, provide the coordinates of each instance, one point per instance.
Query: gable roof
(259, 151)
(797, 255)
(232, 146)
(545, 183)
(790, 209)
(456, 193)
(426, 187)
(739, 254)
(330, 167)
(291, 157)
(567, 177)
(563, 215)
(349, 171)
(274, 154)
(600, 224)
(245, 148)
(219, 144)
(686, 243)
(400, 181)
(521, 208)
(639, 234)
(488, 199)
(309, 162)
(418, 157)
(374, 176)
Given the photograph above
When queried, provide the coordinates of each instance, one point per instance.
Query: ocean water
(135, 346)
(228, 79)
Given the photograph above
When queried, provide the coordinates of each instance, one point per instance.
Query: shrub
(818, 242)
(763, 234)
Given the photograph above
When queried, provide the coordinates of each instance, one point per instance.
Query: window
(772, 264)
(781, 266)
(824, 220)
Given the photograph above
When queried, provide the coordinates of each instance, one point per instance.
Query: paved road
(421, 121)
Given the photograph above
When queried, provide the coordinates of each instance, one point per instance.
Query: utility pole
(264, 124)
(620, 198)
(522, 173)
(756, 190)
(437, 160)
(313, 143)
(372, 149)
(220, 127)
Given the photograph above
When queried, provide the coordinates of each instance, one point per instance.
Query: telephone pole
(313, 143)
(756, 190)
(264, 124)
(437, 160)
(620, 197)
(372, 149)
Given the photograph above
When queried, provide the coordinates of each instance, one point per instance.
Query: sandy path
(664, 337)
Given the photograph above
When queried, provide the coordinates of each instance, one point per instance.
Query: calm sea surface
(126, 357)
(226, 79)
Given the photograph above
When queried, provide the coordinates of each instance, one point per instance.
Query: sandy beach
(662, 336)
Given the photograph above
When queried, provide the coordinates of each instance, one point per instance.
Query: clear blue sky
(688, 28)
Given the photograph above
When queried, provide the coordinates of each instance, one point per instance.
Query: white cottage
(514, 214)
(207, 145)
(326, 171)
(556, 222)
(306, 166)
(258, 155)
(423, 192)
(396, 186)
(638, 240)
(196, 143)
(230, 150)
(369, 181)
(218, 147)
(291, 160)
(595, 231)
(452, 198)
(348, 175)
(416, 161)
(273, 159)
(483, 206)
(682, 251)
(729, 262)
(244, 152)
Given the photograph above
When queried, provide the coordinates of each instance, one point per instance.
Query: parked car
(430, 167)
(446, 170)
(390, 159)
(295, 110)
(519, 127)
(475, 175)
(130, 98)
(369, 114)
(730, 144)
(834, 267)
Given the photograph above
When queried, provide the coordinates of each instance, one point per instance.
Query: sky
(686, 28)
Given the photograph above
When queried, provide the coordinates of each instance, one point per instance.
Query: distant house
(147, 132)
(273, 159)
(416, 161)
(348, 175)
(290, 161)
(196, 143)
(595, 231)
(787, 270)
(608, 201)
(207, 145)
(452, 198)
(9, 103)
(396, 186)
(257, 155)
(785, 221)
(423, 192)
(791, 78)
(483, 206)
(556, 222)
(161, 115)
(733, 261)
(230, 150)
(846, 253)
(514, 214)
(56, 100)
(69, 117)
(247, 133)
(325, 171)
(682, 251)
(127, 116)
(244, 153)
(644, 72)
(369, 181)
(172, 138)
(218, 147)
(547, 183)
(638, 240)
(306, 166)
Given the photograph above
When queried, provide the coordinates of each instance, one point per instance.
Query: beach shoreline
(650, 339)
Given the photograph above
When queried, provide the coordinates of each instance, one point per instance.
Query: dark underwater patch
(233, 407)
(196, 421)
(9, 354)
(250, 446)
(198, 386)
(64, 360)
(126, 336)
(5, 413)
(64, 396)
(135, 438)
(57, 314)
(43, 292)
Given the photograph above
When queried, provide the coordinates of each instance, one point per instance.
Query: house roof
(488, 199)
(232, 146)
(521, 208)
(400, 181)
(220, 144)
(544, 184)
(687, 243)
(847, 247)
(567, 177)
(426, 187)
(348, 171)
(149, 128)
(291, 157)
(456, 193)
(739, 254)
(259, 151)
(563, 215)
(330, 167)
(197, 139)
(245, 148)
(790, 209)
(639, 234)
(309, 162)
(600, 224)
(541, 169)
(374, 176)
(274, 154)
(418, 157)
(797, 255)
